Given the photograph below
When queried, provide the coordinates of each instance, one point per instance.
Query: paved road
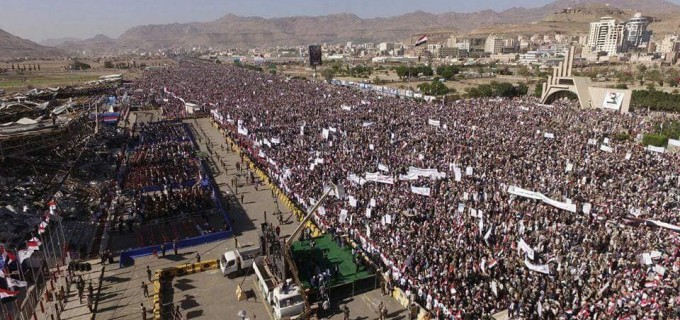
(209, 295)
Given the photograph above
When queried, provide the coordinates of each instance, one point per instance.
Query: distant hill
(12, 46)
(95, 46)
(235, 31)
(57, 41)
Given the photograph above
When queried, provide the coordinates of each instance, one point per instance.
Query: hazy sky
(41, 19)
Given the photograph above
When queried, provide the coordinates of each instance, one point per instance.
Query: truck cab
(286, 301)
(238, 260)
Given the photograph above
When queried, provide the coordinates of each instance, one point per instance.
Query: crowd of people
(171, 203)
(474, 206)
(162, 157)
(162, 174)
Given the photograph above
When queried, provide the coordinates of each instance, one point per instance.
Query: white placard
(587, 207)
(606, 148)
(352, 201)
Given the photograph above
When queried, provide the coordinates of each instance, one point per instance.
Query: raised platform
(351, 278)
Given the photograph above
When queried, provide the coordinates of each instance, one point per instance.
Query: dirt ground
(53, 73)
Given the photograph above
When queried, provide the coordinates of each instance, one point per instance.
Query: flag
(422, 40)
(41, 227)
(7, 293)
(36, 240)
(53, 206)
(14, 283)
(9, 257)
(24, 254)
(32, 245)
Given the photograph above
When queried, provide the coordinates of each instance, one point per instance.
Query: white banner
(543, 268)
(383, 167)
(276, 141)
(377, 177)
(549, 135)
(457, 173)
(526, 248)
(421, 191)
(656, 149)
(431, 173)
(524, 193)
(606, 148)
(324, 132)
(435, 123)
(408, 176)
(571, 207)
(346, 107)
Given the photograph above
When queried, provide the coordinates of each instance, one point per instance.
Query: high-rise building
(668, 44)
(636, 31)
(494, 44)
(606, 35)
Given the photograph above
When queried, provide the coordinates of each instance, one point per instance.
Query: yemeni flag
(32, 245)
(7, 293)
(421, 41)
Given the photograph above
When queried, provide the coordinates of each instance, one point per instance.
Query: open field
(53, 73)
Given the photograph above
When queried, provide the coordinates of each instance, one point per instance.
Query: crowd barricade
(397, 293)
(287, 202)
(127, 258)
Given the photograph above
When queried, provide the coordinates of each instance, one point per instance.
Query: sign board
(612, 100)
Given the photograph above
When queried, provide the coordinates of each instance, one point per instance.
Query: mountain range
(12, 46)
(232, 31)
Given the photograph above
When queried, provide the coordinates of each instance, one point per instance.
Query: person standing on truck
(198, 257)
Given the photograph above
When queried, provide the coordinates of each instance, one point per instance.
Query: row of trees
(435, 88)
(655, 100)
(404, 72)
(497, 89)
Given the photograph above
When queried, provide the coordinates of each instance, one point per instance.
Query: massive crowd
(162, 173)
(162, 157)
(474, 206)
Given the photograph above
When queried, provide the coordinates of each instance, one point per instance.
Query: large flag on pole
(14, 283)
(421, 41)
(32, 245)
(7, 293)
(24, 254)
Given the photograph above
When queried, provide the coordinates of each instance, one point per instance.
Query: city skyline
(85, 19)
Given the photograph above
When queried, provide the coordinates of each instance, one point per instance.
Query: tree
(523, 71)
(448, 72)
(402, 71)
(434, 88)
(328, 74)
(538, 90)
